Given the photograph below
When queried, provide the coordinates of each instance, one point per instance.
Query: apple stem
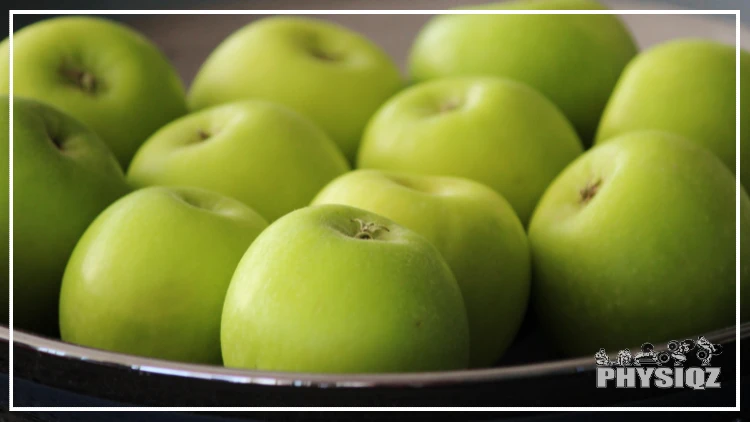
(203, 135)
(84, 80)
(87, 81)
(367, 229)
(590, 190)
(324, 56)
(55, 141)
(449, 105)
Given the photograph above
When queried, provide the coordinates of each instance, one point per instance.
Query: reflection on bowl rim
(319, 380)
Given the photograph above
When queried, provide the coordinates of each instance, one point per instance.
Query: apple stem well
(367, 229)
(203, 135)
(84, 80)
(590, 190)
(56, 141)
(324, 56)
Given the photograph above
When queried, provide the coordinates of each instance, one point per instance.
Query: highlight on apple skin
(476, 231)
(103, 73)
(499, 132)
(327, 72)
(337, 289)
(636, 240)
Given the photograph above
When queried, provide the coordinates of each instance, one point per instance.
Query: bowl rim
(155, 366)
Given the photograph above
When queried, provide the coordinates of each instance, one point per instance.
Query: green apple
(475, 230)
(329, 73)
(499, 132)
(635, 242)
(263, 154)
(574, 60)
(63, 177)
(4, 208)
(686, 87)
(102, 73)
(150, 274)
(337, 289)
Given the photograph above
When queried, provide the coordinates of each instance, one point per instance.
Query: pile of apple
(305, 207)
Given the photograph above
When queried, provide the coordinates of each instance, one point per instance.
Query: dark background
(21, 20)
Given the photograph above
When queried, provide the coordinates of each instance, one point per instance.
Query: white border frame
(736, 13)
